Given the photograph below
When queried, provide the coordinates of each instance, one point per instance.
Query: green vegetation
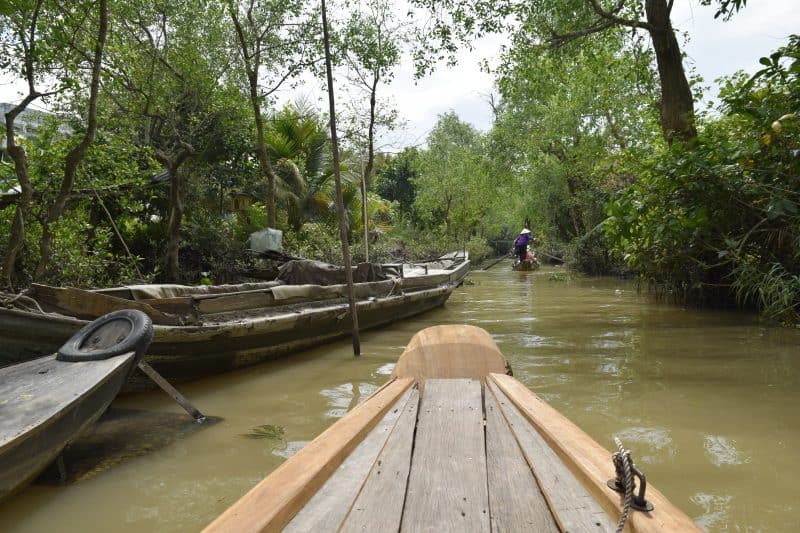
(175, 151)
(267, 431)
(720, 218)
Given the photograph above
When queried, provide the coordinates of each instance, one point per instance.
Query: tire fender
(119, 332)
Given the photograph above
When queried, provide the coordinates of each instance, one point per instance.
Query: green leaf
(267, 431)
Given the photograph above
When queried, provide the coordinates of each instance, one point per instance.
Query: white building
(26, 125)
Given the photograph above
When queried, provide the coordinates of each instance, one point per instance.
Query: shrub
(720, 218)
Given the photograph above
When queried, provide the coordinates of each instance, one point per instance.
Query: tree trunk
(252, 63)
(366, 174)
(76, 155)
(677, 103)
(263, 155)
(175, 219)
(371, 132)
(17, 236)
(448, 205)
(173, 162)
(574, 213)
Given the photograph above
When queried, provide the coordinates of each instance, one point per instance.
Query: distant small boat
(201, 331)
(529, 263)
(453, 443)
(525, 265)
(45, 404)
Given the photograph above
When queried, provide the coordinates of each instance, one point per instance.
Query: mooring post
(172, 391)
(348, 269)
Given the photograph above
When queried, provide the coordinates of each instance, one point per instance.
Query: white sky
(716, 48)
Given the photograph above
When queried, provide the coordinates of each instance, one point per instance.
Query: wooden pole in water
(348, 267)
(172, 391)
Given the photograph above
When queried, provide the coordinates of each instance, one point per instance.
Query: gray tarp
(300, 272)
(146, 292)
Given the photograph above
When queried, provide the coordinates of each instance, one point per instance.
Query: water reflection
(385, 370)
(651, 443)
(715, 510)
(291, 448)
(722, 451)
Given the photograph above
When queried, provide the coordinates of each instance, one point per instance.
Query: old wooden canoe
(48, 402)
(452, 443)
(222, 331)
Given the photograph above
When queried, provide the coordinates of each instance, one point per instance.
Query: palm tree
(297, 141)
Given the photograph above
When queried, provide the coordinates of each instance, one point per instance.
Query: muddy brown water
(707, 401)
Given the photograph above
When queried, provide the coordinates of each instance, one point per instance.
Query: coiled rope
(624, 467)
(20, 301)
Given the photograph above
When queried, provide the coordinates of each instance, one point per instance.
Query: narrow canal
(707, 401)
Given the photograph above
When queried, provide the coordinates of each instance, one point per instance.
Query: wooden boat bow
(450, 443)
(447, 352)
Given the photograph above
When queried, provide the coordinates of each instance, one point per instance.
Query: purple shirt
(523, 239)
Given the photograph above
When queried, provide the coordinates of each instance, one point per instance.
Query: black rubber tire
(136, 340)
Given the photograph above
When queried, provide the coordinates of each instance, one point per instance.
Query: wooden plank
(589, 461)
(515, 501)
(425, 281)
(573, 507)
(45, 404)
(276, 499)
(447, 484)
(453, 351)
(379, 506)
(326, 510)
(240, 301)
(90, 305)
(179, 305)
(221, 303)
(35, 391)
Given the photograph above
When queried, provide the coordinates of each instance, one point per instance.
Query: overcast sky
(716, 48)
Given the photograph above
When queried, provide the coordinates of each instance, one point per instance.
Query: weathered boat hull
(450, 443)
(185, 353)
(47, 404)
(181, 353)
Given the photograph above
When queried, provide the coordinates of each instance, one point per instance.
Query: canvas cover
(147, 292)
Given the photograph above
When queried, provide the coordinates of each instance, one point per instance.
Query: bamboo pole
(348, 266)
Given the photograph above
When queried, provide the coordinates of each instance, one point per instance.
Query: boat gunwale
(41, 423)
(299, 483)
(34, 445)
(162, 314)
(285, 311)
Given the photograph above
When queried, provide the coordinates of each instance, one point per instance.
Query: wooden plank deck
(460, 458)
(447, 484)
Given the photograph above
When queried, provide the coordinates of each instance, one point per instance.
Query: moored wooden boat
(451, 443)
(204, 333)
(48, 402)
